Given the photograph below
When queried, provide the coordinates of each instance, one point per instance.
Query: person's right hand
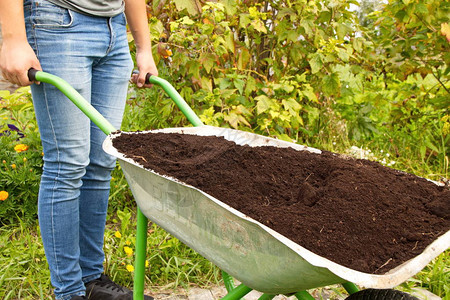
(16, 58)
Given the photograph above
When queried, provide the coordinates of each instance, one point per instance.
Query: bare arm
(16, 55)
(136, 13)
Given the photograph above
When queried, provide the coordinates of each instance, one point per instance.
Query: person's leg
(67, 44)
(65, 135)
(110, 77)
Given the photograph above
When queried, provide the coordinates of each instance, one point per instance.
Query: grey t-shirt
(99, 8)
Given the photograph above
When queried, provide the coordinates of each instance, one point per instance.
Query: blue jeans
(92, 54)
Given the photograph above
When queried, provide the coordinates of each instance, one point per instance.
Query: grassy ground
(170, 264)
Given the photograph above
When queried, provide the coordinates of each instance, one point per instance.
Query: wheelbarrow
(257, 256)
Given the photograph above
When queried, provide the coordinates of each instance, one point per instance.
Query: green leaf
(244, 20)
(258, 24)
(342, 30)
(224, 83)
(244, 59)
(206, 83)
(263, 104)
(421, 9)
(239, 84)
(230, 6)
(235, 119)
(229, 41)
(331, 84)
(343, 54)
(193, 7)
(291, 105)
(316, 62)
(207, 60)
(285, 86)
(307, 25)
(250, 86)
(308, 92)
(186, 21)
(4, 94)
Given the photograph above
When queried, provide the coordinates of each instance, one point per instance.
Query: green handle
(75, 97)
(94, 115)
(179, 101)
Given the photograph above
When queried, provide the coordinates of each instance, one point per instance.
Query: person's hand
(145, 64)
(16, 58)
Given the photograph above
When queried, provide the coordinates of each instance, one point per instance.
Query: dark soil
(354, 212)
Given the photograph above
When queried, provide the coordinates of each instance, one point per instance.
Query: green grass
(24, 269)
(171, 264)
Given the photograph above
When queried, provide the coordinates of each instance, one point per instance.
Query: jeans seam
(54, 187)
(47, 26)
(112, 35)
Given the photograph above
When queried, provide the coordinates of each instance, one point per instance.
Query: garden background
(365, 78)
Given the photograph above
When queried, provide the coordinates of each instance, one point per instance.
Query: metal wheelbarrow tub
(251, 252)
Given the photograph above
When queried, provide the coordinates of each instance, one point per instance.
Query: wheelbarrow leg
(228, 281)
(350, 287)
(139, 263)
(237, 293)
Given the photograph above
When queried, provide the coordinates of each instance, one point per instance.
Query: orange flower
(3, 195)
(20, 148)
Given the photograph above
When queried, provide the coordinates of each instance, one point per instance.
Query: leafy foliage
(21, 157)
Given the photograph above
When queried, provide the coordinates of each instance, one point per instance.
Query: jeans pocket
(45, 14)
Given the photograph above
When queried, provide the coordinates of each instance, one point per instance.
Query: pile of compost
(355, 212)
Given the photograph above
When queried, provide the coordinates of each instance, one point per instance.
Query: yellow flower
(24, 159)
(3, 195)
(20, 148)
(147, 263)
(13, 166)
(117, 234)
(130, 268)
(128, 250)
(128, 243)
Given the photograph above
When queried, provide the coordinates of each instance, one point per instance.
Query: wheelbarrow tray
(251, 252)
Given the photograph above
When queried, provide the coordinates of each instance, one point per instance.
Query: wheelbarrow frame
(142, 221)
